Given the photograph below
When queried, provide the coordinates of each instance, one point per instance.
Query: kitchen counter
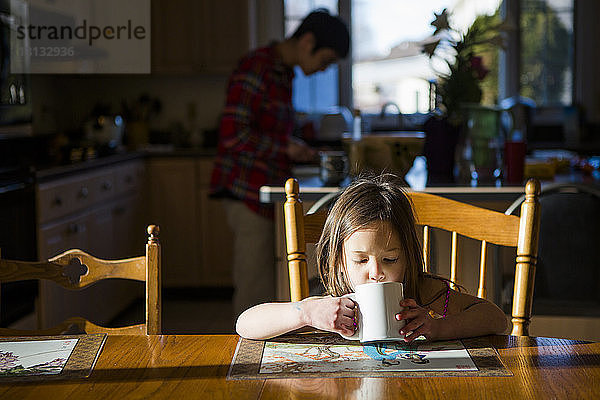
(312, 189)
(43, 174)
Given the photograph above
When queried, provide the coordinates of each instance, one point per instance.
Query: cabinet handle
(76, 228)
(57, 201)
(83, 192)
(107, 185)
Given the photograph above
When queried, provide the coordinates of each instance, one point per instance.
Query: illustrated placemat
(329, 355)
(49, 357)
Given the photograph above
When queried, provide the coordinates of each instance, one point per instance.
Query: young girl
(370, 236)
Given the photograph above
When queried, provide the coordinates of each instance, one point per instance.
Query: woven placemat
(246, 363)
(79, 365)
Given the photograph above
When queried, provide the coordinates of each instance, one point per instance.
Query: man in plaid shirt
(256, 146)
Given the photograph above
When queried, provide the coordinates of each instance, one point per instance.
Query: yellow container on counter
(541, 169)
(384, 152)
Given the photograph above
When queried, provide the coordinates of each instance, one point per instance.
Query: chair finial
(292, 187)
(532, 188)
(153, 231)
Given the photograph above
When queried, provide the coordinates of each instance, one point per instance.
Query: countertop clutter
(551, 167)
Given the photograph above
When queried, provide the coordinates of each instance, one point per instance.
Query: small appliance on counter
(324, 128)
(333, 124)
(105, 130)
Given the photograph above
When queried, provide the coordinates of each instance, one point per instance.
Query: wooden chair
(75, 269)
(487, 226)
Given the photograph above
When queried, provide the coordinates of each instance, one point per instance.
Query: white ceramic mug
(378, 304)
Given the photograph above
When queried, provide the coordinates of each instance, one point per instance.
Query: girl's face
(374, 254)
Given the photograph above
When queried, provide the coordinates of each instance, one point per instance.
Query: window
(547, 51)
(388, 66)
(387, 38)
(318, 92)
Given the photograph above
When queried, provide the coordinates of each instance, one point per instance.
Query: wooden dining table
(196, 366)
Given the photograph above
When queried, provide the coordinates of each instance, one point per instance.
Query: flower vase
(479, 154)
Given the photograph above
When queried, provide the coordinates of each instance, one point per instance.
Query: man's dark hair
(329, 31)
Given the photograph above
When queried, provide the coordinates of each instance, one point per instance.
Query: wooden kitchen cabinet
(129, 226)
(173, 206)
(197, 242)
(175, 45)
(76, 210)
(99, 211)
(216, 236)
(225, 33)
(190, 36)
(56, 238)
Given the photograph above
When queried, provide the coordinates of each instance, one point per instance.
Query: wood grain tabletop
(196, 366)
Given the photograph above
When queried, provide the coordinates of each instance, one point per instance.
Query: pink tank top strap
(447, 297)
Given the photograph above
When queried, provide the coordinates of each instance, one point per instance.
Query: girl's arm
(471, 316)
(267, 320)
(467, 316)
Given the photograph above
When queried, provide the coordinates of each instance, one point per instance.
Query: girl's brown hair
(368, 199)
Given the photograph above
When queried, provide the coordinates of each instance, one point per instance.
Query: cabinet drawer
(103, 187)
(129, 177)
(59, 198)
(53, 239)
(66, 196)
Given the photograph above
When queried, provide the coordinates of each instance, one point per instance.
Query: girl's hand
(418, 321)
(333, 314)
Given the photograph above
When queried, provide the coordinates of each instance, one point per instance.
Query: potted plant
(458, 88)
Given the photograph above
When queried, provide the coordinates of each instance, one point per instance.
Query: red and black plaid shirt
(255, 128)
